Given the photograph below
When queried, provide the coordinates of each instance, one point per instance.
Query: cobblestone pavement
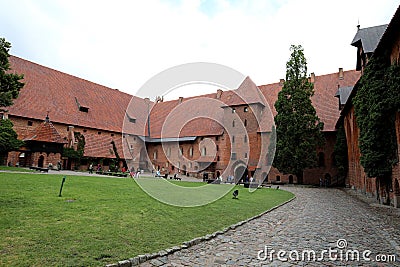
(317, 220)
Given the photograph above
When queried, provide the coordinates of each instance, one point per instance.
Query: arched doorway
(327, 179)
(241, 174)
(290, 179)
(41, 161)
(143, 159)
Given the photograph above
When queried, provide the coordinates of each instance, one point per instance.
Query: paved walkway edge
(146, 257)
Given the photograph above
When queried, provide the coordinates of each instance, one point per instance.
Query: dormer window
(81, 107)
(130, 119)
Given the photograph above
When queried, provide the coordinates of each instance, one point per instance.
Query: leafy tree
(9, 90)
(10, 84)
(375, 106)
(298, 128)
(8, 137)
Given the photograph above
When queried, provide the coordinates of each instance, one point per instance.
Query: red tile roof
(46, 132)
(59, 94)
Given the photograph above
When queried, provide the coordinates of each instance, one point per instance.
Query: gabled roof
(71, 100)
(368, 38)
(46, 132)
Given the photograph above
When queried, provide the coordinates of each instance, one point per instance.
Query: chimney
(281, 82)
(312, 77)
(341, 74)
(219, 93)
(180, 100)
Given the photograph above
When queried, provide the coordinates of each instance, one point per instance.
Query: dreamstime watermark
(339, 253)
(156, 135)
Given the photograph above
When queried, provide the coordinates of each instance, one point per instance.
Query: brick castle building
(114, 123)
(380, 41)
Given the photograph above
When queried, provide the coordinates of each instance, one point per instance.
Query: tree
(298, 128)
(9, 90)
(375, 105)
(10, 84)
(8, 137)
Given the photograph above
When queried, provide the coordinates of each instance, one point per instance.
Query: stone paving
(329, 222)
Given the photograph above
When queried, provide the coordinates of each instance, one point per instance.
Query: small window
(30, 123)
(67, 129)
(84, 109)
(180, 151)
(245, 139)
(233, 110)
(233, 123)
(217, 158)
(191, 151)
(84, 130)
(246, 109)
(112, 134)
(155, 154)
(245, 123)
(245, 155)
(98, 132)
(217, 147)
(233, 139)
(278, 178)
(233, 156)
(168, 152)
(216, 138)
(203, 151)
(131, 146)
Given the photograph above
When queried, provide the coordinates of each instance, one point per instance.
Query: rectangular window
(203, 151)
(245, 155)
(30, 123)
(233, 156)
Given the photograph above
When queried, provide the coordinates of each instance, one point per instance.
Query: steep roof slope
(71, 100)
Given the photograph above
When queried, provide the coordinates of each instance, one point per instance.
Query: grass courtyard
(103, 220)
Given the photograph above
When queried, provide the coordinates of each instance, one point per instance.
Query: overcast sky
(122, 44)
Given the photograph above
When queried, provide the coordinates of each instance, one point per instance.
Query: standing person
(91, 168)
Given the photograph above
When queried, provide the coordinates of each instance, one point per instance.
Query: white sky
(122, 44)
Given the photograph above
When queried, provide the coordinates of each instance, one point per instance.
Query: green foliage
(9, 82)
(298, 128)
(375, 104)
(8, 137)
(77, 154)
(340, 150)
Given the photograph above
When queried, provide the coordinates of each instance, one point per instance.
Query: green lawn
(103, 220)
(17, 169)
